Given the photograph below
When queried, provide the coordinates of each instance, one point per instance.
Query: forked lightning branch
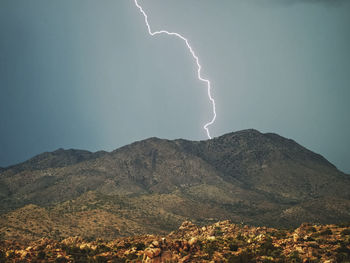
(199, 67)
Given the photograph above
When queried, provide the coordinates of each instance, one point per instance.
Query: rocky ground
(219, 242)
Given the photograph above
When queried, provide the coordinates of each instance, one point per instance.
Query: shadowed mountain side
(55, 159)
(272, 164)
(154, 185)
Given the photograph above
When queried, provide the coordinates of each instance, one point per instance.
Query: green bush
(268, 249)
(79, 255)
(313, 245)
(61, 260)
(218, 231)
(280, 234)
(246, 256)
(233, 246)
(210, 247)
(312, 229)
(131, 257)
(343, 257)
(101, 249)
(294, 257)
(41, 255)
(126, 245)
(2, 256)
(345, 224)
(118, 260)
(100, 259)
(140, 246)
(240, 237)
(343, 249)
(326, 232)
(345, 232)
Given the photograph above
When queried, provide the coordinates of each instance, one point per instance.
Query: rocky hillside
(219, 242)
(153, 185)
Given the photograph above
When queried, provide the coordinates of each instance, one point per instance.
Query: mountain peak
(155, 184)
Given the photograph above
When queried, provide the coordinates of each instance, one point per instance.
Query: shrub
(343, 249)
(343, 257)
(268, 249)
(294, 257)
(280, 234)
(118, 260)
(345, 224)
(101, 249)
(312, 229)
(61, 260)
(131, 256)
(345, 232)
(140, 246)
(127, 245)
(79, 255)
(246, 256)
(313, 245)
(2, 256)
(100, 259)
(41, 255)
(210, 248)
(218, 231)
(309, 238)
(233, 246)
(347, 241)
(325, 232)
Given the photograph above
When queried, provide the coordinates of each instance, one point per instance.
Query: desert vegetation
(219, 242)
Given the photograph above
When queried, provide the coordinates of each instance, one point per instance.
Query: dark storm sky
(85, 74)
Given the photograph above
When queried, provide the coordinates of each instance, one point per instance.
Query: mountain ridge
(153, 185)
(97, 154)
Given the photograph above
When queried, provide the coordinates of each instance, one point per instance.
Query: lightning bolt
(199, 67)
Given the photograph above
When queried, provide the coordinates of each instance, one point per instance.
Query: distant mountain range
(152, 186)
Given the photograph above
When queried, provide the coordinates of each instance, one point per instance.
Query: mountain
(151, 186)
(55, 159)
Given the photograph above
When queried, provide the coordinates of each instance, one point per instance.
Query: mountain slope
(55, 159)
(272, 164)
(154, 185)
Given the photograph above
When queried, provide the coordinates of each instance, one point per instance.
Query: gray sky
(85, 73)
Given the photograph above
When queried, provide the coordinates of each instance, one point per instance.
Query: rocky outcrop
(219, 242)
